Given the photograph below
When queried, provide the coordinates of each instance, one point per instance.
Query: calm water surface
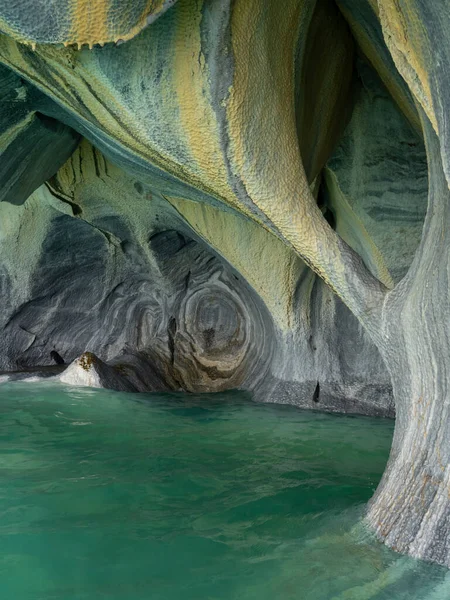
(169, 497)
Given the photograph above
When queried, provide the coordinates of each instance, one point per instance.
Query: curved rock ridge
(79, 22)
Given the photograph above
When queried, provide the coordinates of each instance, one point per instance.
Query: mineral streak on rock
(259, 199)
(79, 22)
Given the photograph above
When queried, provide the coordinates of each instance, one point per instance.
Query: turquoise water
(168, 497)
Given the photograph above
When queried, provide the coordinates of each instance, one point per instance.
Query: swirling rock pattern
(162, 306)
(102, 282)
(219, 333)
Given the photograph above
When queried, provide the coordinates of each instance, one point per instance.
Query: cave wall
(377, 180)
(151, 247)
(174, 295)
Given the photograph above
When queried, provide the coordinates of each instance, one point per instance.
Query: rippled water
(168, 497)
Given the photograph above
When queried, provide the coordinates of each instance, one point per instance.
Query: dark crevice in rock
(76, 208)
(316, 393)
(171, 332)
(57, 358)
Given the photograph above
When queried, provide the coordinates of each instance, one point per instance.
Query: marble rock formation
(246, 194)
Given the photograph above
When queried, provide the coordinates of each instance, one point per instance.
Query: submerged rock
(88, 370)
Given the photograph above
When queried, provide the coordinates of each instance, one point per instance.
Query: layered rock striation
(234, 305)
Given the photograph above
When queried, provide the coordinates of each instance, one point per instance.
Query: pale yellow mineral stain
(91, 23)
(264, 149)
(261, 109)
(12, 31)
(197, 119)
(408, 42)
(351, 228)
(70, 72)
(9, 135)
(269, 266)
